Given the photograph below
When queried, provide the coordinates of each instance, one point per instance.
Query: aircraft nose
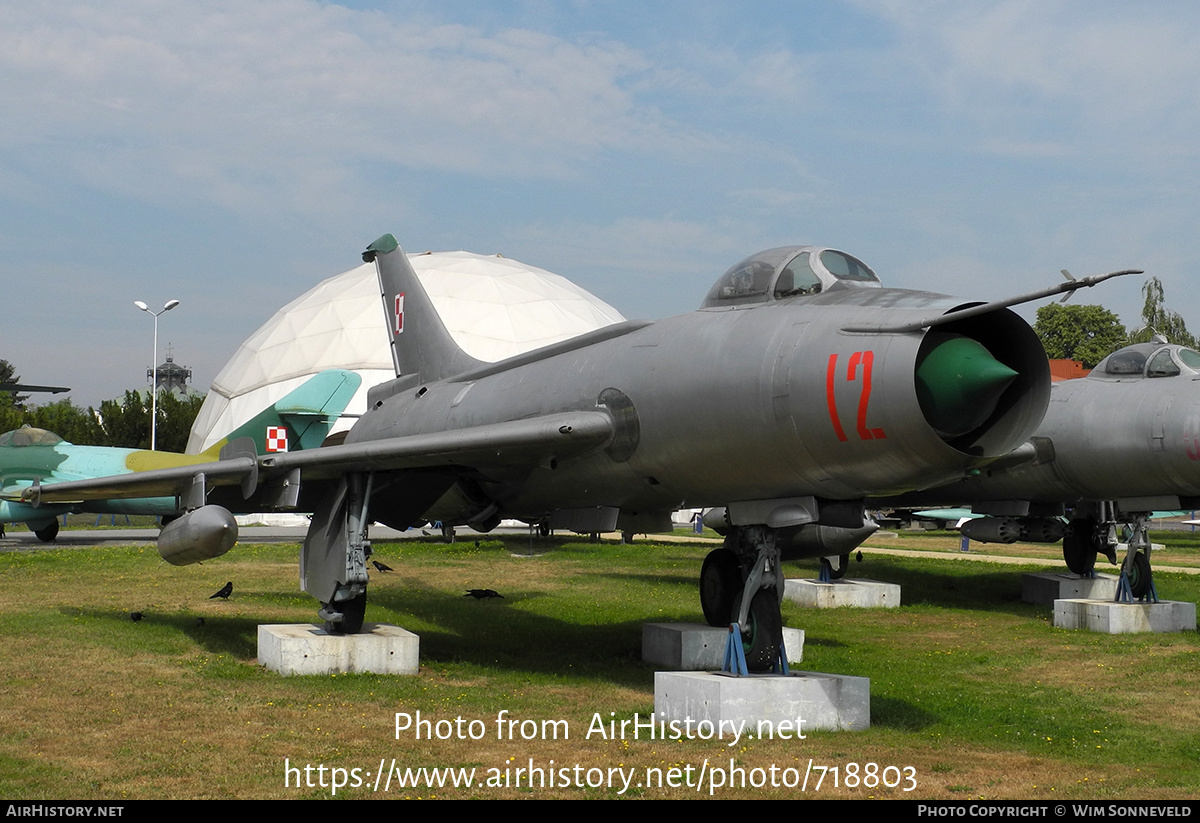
(959, 383)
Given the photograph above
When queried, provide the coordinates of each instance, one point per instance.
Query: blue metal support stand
(735, 656)
(1125, 592)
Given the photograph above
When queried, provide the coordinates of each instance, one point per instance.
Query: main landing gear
(333, 561)
(1088, 536)
(47, 533)
(1135, 571)
(742, 582)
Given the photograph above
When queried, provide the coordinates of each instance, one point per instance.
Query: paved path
(90, 538)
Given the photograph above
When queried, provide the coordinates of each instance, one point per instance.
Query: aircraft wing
(153, 483)
(516, 443)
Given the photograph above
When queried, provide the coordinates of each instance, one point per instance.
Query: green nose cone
(959, 383)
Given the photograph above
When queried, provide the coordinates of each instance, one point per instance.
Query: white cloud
(297, 97)
(1105, 76)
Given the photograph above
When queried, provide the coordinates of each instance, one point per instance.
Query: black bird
(135, 616)
(483, 594)
(383, 567)
(224, 593)
(200, 621)
(858, 557)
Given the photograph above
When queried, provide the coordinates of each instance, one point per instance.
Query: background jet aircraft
(30, 457)
(1114, 446)
(798, 388)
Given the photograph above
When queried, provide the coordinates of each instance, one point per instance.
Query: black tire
(543, 529)
(1140, 577)
(720, 584)
(47, 533)
(1079, 545)
(353, 612)
(761, 641)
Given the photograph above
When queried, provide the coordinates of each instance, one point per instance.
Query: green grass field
(972, 689)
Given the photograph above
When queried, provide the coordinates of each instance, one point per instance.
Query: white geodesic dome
(493, 307)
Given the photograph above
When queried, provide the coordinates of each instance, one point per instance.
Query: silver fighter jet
(1114, 447)
(798, 388)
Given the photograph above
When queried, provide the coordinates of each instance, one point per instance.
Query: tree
(68, 421)
(1086, 333)
(175, 418)
(1157, 319)
(8, 375)
(125, 424)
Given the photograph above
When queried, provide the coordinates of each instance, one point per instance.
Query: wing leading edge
(528, 442)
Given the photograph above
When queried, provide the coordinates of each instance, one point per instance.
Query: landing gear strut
(333, 561)
(1135, 571)
(742, 583)
(1100, 531)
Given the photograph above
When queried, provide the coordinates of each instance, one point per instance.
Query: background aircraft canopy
(1148, 360)
(785, 272)
(29, 436)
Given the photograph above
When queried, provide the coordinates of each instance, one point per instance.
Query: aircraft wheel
(840, 571)
(543, 529)
(762, 640)
(47, 533)
(720, 582)
(1140, 576)
(1079, 547)
(353, 611)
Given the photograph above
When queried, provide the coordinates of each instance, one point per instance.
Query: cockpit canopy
(29, 436)
(1148, 360)
(785, 272)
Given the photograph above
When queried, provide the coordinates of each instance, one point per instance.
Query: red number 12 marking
(866, 359)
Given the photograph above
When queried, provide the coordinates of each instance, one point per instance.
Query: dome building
(492, 306)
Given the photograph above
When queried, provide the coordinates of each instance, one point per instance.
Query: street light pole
(154, 365)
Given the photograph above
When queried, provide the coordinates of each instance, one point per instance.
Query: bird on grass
(224, 592)
(383, 567)
(483, 594)
(136, 616)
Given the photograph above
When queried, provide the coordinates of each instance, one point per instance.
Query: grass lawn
(972, 689)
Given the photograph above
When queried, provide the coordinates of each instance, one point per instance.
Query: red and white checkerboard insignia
(399, 312)
(276, 438)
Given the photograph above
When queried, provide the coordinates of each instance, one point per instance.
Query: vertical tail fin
(420, 342)
(301, 419)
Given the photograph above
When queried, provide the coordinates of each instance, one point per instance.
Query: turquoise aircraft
(32, 457)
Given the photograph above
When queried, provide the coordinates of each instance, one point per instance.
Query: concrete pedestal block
(819, 701)
(1125, 618)
(309, 649)
(1044, 589)
(697, 647)
(863, 594)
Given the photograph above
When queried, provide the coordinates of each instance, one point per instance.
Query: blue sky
(233, 154)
